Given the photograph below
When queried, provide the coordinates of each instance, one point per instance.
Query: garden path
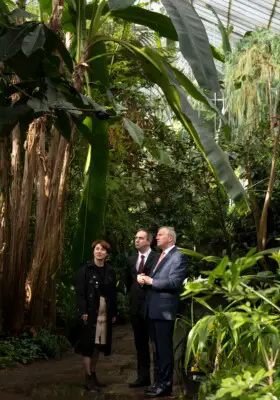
(63, 379)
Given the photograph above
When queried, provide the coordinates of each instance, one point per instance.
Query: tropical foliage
(242, 328)
(102, 132)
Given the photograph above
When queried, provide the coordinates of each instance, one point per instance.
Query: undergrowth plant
(242, 328)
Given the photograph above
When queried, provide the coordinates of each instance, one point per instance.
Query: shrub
(26, 349)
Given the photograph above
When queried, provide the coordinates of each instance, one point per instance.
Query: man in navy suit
(163, 295)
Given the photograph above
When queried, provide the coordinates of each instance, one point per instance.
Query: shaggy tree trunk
(48, 237)
(13, 318)
(51, 187)
(4, 165)
(21, 190)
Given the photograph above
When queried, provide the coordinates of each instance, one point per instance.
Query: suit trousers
(141, 339)
(161, 333)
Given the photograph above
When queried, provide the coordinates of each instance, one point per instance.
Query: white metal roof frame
(243, 15)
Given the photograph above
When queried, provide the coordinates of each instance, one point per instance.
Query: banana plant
(86, 21)
(190, 32)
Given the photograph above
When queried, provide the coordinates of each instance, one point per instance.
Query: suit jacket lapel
(134, 262)
(163, 261)
(149, 261)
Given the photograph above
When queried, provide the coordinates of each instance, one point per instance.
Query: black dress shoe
(140, 382)
(151, 387)
(157, 391)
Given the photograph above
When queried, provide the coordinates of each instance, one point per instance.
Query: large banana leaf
(224, 32)
(91, 213)
(120, 4)
(199, 95)
(157, 22)
(162, 74)
(194, 42)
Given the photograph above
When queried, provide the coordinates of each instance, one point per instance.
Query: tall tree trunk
(13, 318)
(51, 186)
(55, 21)
(4, 167)
(47, 245)
(20, 207)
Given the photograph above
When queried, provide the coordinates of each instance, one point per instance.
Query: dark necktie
(141, 265)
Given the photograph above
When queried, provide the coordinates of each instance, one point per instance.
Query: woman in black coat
(97, 310)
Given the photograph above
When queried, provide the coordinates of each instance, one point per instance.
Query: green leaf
(91, 212)
(205, 140)
(191, 253)
(197, 338)
(268, 251)
(33, 41)
(21, 13)
(85, 131)
(120, 4)
(11, 41)
(212, 259)
(194, 42)
(159, 154)
(217, 54)
(199, 95)
(27, 67)
(5, 7)
(68, 19)
(98, 71)
(157, 22)
(38, 105)
(218, 272)
(134, 130)
(54, 43)
(224, 34)
(204, 304)
(63, 124)
(45, 6)
(10, 116)
(162, 74)
(251, 252)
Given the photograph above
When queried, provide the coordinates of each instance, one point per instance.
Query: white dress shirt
(166, 251)
(146, 255)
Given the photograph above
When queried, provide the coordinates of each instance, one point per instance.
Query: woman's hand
(84, 317)
(114, 319)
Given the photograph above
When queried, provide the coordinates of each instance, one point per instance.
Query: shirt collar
(166, 251)
(145, 254)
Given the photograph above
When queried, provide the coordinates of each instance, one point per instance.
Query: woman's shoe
(90, 384)
(96, 381)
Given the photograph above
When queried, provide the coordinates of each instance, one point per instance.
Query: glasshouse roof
(243, 15)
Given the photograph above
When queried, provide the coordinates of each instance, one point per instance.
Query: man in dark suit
(140, 263)
(164, 284)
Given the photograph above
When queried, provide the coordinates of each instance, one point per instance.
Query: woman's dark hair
(102, 243)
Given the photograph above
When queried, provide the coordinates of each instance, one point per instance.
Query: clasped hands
(143, 279)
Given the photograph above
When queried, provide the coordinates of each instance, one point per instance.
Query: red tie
(159, 260)
(141, 265)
